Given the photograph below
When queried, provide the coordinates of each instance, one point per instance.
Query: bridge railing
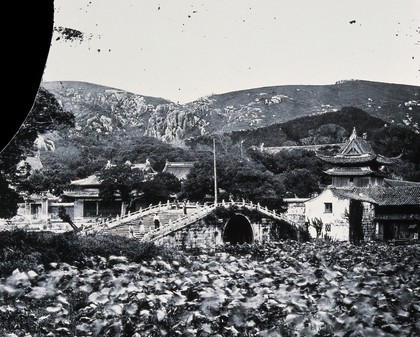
(182, 222)
(265, 210)
(165, 229)
(130, 216)
(255, 206)
(177, 224)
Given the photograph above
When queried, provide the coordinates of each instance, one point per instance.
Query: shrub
(25, 250)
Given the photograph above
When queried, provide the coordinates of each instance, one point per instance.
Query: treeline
(325, 128)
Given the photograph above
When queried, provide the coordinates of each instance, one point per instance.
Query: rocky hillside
(108, 110)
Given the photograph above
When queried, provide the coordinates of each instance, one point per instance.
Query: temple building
(84, 193)
(362, 202)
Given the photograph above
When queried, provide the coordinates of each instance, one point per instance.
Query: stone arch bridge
(198, 225)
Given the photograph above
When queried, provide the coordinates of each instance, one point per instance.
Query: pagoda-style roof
(385, 160)
(356, 146)
(146, 167)
(357, 151)
(350, 171)
(341, 159)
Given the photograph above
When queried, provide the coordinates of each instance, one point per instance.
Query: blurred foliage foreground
(65, 285)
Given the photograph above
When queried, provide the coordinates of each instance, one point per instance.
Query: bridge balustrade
(182, 221)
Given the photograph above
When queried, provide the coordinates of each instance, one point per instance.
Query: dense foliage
(325, 128)
(8, 199)
(46, 115)
(118, 288)
(27, 250)
(242, 179)
(119, 180)
(161, 188)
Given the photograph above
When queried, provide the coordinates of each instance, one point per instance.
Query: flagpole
(214, 172)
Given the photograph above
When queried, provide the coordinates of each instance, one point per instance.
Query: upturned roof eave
(348, 159)
(361, 172)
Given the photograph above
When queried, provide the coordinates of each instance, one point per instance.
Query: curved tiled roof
(385, 160)
(349, 159)
(408, 195)
(357, 150)
(396, 196)
(396, 183)
(350, 171)
(81, 194)
(354, 194)
(356, 145)
(178, 169)
(92, 180)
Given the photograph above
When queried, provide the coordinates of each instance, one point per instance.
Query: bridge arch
(238, 230)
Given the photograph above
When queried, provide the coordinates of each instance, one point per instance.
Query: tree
(244, 179)
(8, 199)
(250, 180)
(318, 224)
(300, 182)
(62, 214)
(354, 216)
(199, 182)
(46, 115)
(54, 180)
(329, 133)
(120, 181)
(161, 187)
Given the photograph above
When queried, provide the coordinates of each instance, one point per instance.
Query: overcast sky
(183, 49)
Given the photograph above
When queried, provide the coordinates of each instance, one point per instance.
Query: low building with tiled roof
(179, 169)
(84, 193)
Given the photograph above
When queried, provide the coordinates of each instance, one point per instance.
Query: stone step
(165, 216)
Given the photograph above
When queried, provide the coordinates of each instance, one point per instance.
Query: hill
(109, 110)
(330, 127)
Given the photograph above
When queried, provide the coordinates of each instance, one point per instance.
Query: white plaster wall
(315, 208)
(78, 209)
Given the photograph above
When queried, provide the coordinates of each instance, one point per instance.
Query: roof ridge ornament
(353, 134)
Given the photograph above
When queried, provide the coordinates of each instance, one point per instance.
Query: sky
(182, 50)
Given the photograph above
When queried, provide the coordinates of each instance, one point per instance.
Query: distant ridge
(110, 110)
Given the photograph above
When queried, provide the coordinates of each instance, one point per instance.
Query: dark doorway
(355, 221)
(238, 230)
(389, 231)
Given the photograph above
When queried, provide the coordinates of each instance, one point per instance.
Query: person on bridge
(156, 220)
(185, 207)
(131, 231)
(141, 226)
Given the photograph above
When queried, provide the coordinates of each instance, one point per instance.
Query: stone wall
(207, 235)
(368, 223)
